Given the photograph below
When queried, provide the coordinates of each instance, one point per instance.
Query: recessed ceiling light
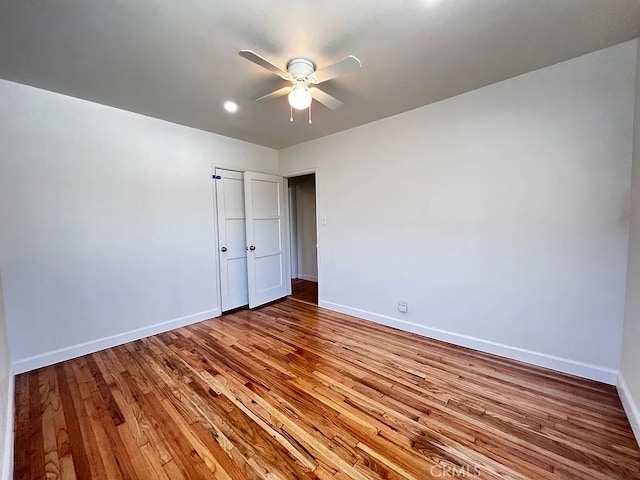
(230, 106)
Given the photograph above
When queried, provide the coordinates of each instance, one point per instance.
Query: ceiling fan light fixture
(300, 97)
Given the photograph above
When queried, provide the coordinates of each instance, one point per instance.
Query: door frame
(216, 239)
(293, 246)
(299, 173)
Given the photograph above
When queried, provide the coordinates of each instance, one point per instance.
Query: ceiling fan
(302, 75)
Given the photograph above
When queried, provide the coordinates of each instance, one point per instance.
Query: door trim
(299, 173)
(216, 242)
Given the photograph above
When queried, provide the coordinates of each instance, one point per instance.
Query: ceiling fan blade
(332, 103)
(281, 92)
(346, 65)
(263, 62)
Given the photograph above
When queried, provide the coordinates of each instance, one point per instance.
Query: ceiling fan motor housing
(300, 68)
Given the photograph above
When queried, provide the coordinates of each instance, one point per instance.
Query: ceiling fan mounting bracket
(300, 68)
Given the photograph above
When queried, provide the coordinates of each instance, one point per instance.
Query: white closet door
(232, 239)
(267, 238)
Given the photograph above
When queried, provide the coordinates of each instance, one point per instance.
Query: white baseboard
(74, 351)
(311, 278)
(7, 460)
(565, 365)
(630, 407)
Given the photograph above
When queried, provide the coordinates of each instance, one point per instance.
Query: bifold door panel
(267, 238)
(232, 239)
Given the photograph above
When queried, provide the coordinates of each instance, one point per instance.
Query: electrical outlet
(403, 307)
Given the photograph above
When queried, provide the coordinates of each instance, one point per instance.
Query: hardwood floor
(304, 290)
(294, 391)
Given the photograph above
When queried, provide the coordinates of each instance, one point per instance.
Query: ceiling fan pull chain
(291, 117)
(310, 113)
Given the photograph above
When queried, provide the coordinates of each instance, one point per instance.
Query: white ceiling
(178, 60)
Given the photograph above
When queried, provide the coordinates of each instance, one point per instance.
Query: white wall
(6, 397)
(107, 222)
(629, 384)
(500, 215)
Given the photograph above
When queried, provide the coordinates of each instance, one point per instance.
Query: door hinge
(216, 177)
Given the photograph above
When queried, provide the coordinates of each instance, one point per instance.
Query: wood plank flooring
(304, 290)
(291, 391)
